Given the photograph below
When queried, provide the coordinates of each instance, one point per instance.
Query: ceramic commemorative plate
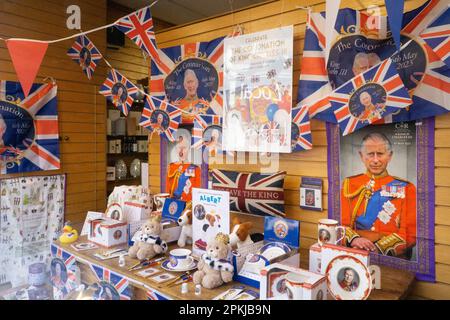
(348, 278)
(166, 266)
(272, 250)
(114, 211)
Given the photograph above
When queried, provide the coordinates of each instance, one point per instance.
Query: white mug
(328, 230)
(180, 258)
(294, 285)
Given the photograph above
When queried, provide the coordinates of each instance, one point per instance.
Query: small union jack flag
(207, 132)
(301, 129)
(369, 97)
(437, 36)
(119, 90)
(161, 117)
(138, 26)
(85, 54)
(63, 278)
(113, 286)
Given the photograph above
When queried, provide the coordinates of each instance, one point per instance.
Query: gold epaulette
(387, 245)
(350, 234)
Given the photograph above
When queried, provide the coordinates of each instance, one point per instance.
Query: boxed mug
(107, 232)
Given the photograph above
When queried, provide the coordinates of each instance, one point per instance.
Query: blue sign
(282, 230)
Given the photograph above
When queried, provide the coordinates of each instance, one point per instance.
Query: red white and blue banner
(369, 97)
(207, 132)
(62, 275)
(138, 26)
(190, 77)
(160, 117)
(29, 139)
(301, 138)
(437, 36)
(85, 54)
(119, 90)
(112, 286)
(360, 45)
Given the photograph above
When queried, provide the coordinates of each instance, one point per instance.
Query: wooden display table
(395, 284)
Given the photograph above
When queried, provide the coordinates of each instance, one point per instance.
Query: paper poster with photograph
(211, 215)
(258, 91)
(382, 191)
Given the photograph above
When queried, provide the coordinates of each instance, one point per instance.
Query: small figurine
(69, 234)
(213, 268)
(240, 236)
(185, 221)
(149, 242)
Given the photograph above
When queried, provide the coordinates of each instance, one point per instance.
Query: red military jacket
(381, 209)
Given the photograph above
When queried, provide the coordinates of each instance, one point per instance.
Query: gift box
(280, 281)
(315, 257)
(135, 211)
(107, 232)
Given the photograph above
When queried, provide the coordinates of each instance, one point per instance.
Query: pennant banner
(26, 56)
(119, 90)
(85, 54)
(29, 139)
(190, 77)
(359, 48)
(112, 286)
(160, 117)
(395, 15)
(369, 97)
(301, 138)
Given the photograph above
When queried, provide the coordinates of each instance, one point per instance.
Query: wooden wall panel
(81, 109)
(273, 14)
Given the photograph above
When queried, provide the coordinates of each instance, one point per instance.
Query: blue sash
(374, 206)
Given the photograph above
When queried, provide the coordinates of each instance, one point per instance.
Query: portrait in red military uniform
(378, 192)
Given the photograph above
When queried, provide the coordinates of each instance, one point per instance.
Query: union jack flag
(161, 117)
(301, 129)
(437, 36)
(113, 286)
(85, 54)
(36, 146)
(427, 84)
(260, 194)
(67, 260)
(119, 90)
(154, 295)
(138, 26)
(210, 97)
(201, 124)
(369, 97)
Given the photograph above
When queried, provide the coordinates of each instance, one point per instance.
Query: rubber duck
(69, 235)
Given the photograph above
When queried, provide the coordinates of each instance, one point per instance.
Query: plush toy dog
(185, 221)
(213, 268)
(240, 235)
(148, 242)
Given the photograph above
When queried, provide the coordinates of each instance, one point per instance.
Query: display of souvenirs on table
(210, 215)
(189, 77)
(258, 91)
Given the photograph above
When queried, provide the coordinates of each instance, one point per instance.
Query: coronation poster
(258, 91)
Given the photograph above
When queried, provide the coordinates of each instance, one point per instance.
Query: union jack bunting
(29, 139)
(360, 47)
(255, 193)
(138, 26)
(301, 129)
(154, 295)
(437, 36)
(119, 90)
(113, 286)
(369, 97)
(85, 54)
(160, 117)
(207, 132)
(177, 65)
(63, 277)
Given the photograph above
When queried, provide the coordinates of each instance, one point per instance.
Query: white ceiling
(184, 11)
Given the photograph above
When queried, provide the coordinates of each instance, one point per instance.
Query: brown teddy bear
(147, 241)
(213, 268)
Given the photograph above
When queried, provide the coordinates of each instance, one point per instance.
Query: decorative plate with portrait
(348, 278)
(115, 211)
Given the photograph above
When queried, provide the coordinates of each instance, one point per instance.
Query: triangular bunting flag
(85, 54)
(26, 56)
(395, 15)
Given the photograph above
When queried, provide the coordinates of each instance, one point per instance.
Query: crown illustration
(221, 237)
